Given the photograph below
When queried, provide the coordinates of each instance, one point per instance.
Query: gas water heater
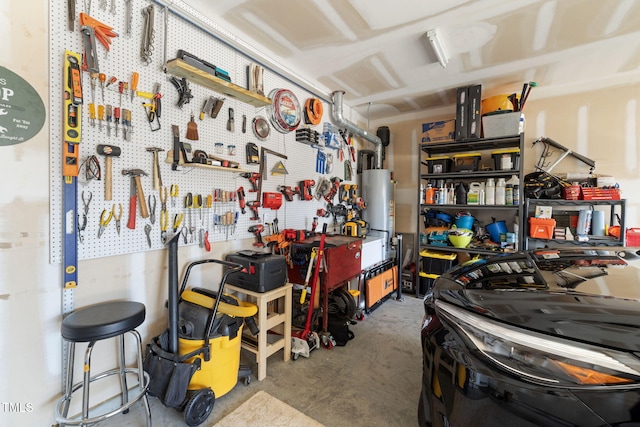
(378, 193)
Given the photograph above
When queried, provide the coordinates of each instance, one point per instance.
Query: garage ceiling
(376, 51)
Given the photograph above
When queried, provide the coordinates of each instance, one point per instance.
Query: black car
(538, 338)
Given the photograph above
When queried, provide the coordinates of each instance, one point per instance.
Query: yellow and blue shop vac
(197, 358)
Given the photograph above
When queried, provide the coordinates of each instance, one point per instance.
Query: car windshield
(598, 272)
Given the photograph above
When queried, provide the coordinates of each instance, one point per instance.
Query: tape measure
(313, 111)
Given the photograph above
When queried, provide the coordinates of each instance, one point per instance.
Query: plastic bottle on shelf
(442, 193)
(501, 192)
(473, 195)
(490, 192)
(482, 196)
(508, 194)
(461, 194)
(512, 184)
(451, 195)
(430, 194)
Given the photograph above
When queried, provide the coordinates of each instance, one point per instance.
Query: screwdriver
(103, 79)
(112, 80)
(126, 124)
(92, 114)
(116, 115)
(94, 77)
(109, 118)
(100, 116)
(120, 89)
(134, 84)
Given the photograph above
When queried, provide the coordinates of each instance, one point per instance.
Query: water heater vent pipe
(338, 118)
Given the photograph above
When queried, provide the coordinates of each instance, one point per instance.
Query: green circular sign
(22, 112)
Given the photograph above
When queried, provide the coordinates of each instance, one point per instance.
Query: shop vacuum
(197, 358)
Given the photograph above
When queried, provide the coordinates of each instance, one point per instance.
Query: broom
(192, 129)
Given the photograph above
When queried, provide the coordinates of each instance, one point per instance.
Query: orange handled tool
(134, 84)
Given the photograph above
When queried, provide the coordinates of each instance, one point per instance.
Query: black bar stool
(95, 323)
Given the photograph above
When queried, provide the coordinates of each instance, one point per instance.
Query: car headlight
(539, 358)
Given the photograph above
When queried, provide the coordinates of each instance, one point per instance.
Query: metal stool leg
(123, 373)
(142, 380)
(68, 383)
(86, 380)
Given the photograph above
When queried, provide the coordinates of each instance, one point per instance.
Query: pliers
(163, 226)
(164, 215)
(87, 202)
(177, 220)
(117, 217)
(152, 208)
(104, 221)
(174, 194)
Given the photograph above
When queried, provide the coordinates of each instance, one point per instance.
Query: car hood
(601, 320)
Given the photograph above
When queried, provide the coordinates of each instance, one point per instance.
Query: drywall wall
(600, 124)
(30, 286)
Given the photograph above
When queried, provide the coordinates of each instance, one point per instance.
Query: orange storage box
(633, 237)
(380, 286)
(541, 228)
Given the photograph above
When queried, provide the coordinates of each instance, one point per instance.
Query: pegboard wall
(124, 58)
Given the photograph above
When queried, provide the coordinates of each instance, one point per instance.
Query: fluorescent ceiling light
(438, 47)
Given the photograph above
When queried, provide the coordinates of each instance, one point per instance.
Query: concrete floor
(374, 380)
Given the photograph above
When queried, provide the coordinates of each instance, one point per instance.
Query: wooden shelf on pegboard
(179, 68)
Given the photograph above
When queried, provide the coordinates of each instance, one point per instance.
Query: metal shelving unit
(616, 207)
(483, 146)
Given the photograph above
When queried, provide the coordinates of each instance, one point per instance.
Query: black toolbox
(264, 271)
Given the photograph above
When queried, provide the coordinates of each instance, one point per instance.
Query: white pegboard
(121, 61)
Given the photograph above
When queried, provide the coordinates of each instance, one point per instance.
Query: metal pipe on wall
(338, 117)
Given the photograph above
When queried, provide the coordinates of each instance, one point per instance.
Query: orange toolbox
(541, 228)
(380, 286)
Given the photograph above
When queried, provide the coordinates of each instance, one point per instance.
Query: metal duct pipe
(338, 117)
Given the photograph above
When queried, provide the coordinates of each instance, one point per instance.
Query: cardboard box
(501, 125)
(442, 131)
(474, 117)
(462, 111)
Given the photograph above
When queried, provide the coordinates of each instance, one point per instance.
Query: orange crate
(541, 228)
(571, 192)
(596, 193)
(633, 237)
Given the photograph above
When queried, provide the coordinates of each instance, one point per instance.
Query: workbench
(274, 315)
(342, 261)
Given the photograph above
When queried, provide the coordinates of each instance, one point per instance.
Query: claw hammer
(135, 175)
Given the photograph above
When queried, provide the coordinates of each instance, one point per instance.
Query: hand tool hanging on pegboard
(72, 99)
(93, 30)
(184, 92)
(148, 34)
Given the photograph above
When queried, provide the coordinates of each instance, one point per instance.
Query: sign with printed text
(22, 112)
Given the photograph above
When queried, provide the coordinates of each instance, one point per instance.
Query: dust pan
(192, 129)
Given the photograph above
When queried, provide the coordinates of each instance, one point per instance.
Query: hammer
(109, 151)
(157, 179)
(135, 175)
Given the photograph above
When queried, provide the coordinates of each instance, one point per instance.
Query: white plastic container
(500, 192)
(510, 195)
(490, 192)
(473, 195)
